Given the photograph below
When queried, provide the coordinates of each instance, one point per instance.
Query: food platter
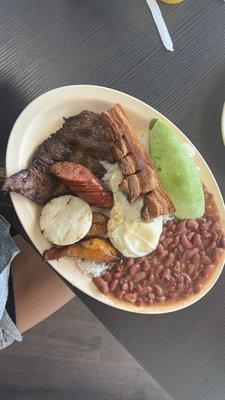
(43, 117)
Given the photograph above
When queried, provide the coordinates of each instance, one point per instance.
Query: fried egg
(132, 236)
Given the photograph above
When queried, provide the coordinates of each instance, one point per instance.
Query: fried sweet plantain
(94, 249)
(99, 225)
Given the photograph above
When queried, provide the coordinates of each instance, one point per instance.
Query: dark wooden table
(114, 43)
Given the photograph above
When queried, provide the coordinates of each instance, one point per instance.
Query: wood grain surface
(115, 43)
(72, 356)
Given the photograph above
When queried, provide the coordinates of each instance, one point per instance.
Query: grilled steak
(81, 139)
(37, 186)
(140, 177)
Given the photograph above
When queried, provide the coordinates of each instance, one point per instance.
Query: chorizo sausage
(84, 183)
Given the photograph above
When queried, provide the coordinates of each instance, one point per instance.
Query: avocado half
(177, 172)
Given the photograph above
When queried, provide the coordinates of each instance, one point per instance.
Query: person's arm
(38, 291)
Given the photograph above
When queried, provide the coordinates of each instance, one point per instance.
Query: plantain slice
(99, 225)
(93, 249)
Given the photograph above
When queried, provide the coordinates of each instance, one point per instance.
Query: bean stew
(187, 253)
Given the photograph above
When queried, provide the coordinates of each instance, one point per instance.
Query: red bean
(190, 235)
(159, 269)
(178, 278)
(197, 288)
(183, 258)
(195, 259)
(189, 290)
(176, 240)
(154, 261)
(187, 279)
(215, 218)
(139, 302)
(146, 266)
(185, 242)
(166, 242)
(113, 284)
(159, 248)
(134, 269)
(173, 227)
(207, 270)
(220, 234)
(101, 284)
(139, 288)
(217, 254)
(169, 260)
(212, 245)
(149, 302)
(151, 296)
(203, 227)
(119, 294)
(222, 244)
(131, 297)
(192, 224)
(146, 290)
(118, 275)
(181, 225)
(180, 287)
(119, 268)
(171, 247)
(195, 275)
(190, 253)
(162, 256)
(151, 278)
(131, 286)
(169, 223)
(107, 276)
(158, 290)
(215, 227)
(125, 287)
(180, 248)
(174, 296)
(141, 259)
(169, 234)
(160, 299)
(129, 262)
(166, 274)
(172, 281)
(206, 235)
(139, 276)
(190, 270)
(205, 259)
(215, 236)
(197, 240)
(177, 266)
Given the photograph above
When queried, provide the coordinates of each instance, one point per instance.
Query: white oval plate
(223, 124)
(44, 116)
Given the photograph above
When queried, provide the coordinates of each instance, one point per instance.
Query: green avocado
(177, 173)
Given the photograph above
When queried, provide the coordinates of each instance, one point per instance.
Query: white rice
(92, 267)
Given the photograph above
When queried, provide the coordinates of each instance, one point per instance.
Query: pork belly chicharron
(140, 177)
(81, 139)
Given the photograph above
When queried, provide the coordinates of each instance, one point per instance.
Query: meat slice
(37, 186)
(156, 203)
(140, 177)
(81, 139)
(53, 150)
(84, 183)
